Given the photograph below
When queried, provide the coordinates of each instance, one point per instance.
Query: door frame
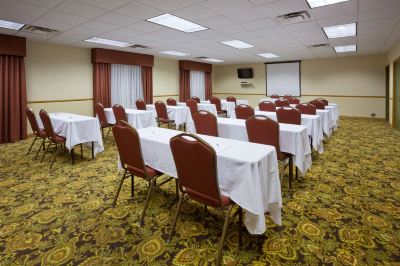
(387, 93)
(396, 64)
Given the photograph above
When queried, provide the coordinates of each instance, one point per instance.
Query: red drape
(184, 85)
(102, 84)
(12, 98)
(208, 85)
(147, 81)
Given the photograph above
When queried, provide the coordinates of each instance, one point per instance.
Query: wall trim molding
(308, 95)
(165, 95)
(60, 101)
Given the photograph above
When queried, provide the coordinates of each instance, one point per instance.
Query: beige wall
(165, 79)
(362, 76)
(392, 56)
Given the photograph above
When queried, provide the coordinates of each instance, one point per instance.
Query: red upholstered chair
(281, 103)
(318, 104)
(130, 154)
(192, 104)
(217, 102)
(287, 96)
(288, 115)
(274, 96)
(262, 130)
(103, 120)
(231, 99)
(140, 105)
(205, 123)
(196, 165)
(307, 108)
(119, 113)
(171, 102)
(267, 106)
(244, 111)
(293, 100)
(162, 114)
(197, 99)
(323, 100)
(39, 132)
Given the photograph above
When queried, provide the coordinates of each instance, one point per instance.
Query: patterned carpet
(346, 211)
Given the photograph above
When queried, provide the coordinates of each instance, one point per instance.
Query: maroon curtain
(208, 85)
(12, 98)
(147, 81)
(102, 84)
(184, 85)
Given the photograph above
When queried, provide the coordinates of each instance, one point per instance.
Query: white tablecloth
(225, 105)
(203, 106)
(312, 122)
(268, 99)
(77, 129)
(335, 114)
(136, 118)
(326, 121)
(252, 181)
(180, 114)
(238, 101)
(293, 139)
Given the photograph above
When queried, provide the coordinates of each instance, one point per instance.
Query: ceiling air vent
(138, 46)
(322, 45)
(38, 30)
(295, 17)
(202, 57)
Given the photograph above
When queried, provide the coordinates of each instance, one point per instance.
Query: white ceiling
(251, 21)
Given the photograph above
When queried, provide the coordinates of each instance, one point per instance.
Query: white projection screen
(283, 78)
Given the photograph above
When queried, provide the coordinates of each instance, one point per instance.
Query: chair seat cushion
(283, 156)
(205, 199)
(139, 172)
(164, 120)
(59, 139)
(42, 133)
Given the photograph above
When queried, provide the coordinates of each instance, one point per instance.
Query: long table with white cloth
(180, 114)
(225, 105)
(136, 118)
(257, 172)
(203, 106)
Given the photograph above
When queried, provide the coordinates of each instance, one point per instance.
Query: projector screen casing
(283, 78)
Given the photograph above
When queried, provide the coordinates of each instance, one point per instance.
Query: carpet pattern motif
(346, 211)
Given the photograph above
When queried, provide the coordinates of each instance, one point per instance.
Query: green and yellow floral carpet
(346, 211)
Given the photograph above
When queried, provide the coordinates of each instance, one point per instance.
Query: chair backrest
(197, 99)
(161, 110)
(318, 104)
(192, 104)
(217, 102)
(32, 120)
(307, 108)
(262, 130)
(48, 126)
(287, 96)
(267, 106)
(231, 99)
(171, 101)
(288, 115)
(274, 96)
(196, 166)
(281, 103)
(205, 123)
(293, 100)
(323, 100)
(140, 105)
(119, 113)
(244, 111)
(129, 149)
(101, 114)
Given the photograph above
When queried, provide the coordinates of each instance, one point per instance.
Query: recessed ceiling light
(176, 23)
(108, 42)
(213, 60)
(237, 44)
(174, 53)
(10, 25)
(339, 31)
(268, 55)
(346, 48)
(318, 3)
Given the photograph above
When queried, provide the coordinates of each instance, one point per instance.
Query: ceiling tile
(215, 22)
(117, 19)
(19, 11)
(194, 12)
(139, 11)
(45, 23)
(259, 24)
(79, 9)
(63, 18)
(227, 6)
(106, 4)
(43, 3)
(100, 26)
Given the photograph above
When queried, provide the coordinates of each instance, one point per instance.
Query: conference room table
(180, 114)
(268, 99)
(203, 106)
(77, 129)
(311, 122)
(225, 105)
(136, 118)
(257, 172)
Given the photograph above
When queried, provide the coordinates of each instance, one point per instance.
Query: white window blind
(197, 84)
(126, 85)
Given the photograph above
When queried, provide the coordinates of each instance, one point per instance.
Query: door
(387, 93)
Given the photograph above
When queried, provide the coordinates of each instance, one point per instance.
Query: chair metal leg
(81, 151)
(240, 227)
(119, 188)
(222, 240)
(176, 188)
(41, 145)
(290, 171)
(54, 155)
(72, 155)
(176, 217)
(108, 132)
(44, 154)
(147, 201)
(297, 173)
(132, 185)
(33, 142)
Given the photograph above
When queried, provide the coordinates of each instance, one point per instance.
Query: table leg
(92, 149)
(73, 155)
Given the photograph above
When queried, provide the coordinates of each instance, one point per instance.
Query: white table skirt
(293, 139)
(257, 172)
(225, 105)
(77, 129)
(180, 114)
(312, 122)
(334, 115)
(203, 106)
(136, 118)
(238, 101)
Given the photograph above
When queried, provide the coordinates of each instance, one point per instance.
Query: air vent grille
(138, 46)
(201, 57)
(322, 45)
(39, 30)
(295, 17)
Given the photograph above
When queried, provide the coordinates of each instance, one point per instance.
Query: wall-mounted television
(245, 73)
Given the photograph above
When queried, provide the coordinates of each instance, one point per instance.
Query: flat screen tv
(245, 73)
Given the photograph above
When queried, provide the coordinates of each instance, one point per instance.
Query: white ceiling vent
(39, 30)
(138, 46)
(322, 45)
(295, 17)
(202, 57)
